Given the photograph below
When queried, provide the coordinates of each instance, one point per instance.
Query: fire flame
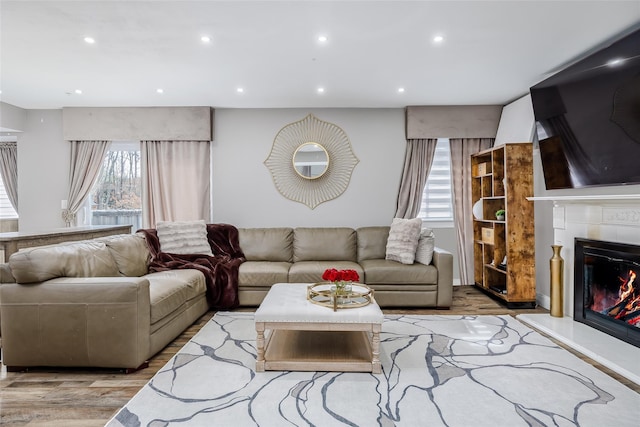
(626, 307)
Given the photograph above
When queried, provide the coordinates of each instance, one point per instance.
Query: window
(6, 208)
(116, 196)
(437, 203)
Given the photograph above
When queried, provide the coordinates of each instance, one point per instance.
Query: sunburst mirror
(311, 161)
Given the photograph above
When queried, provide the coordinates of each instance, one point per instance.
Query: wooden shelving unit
(502, 178)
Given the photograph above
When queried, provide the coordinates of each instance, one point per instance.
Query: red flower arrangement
(333, 275)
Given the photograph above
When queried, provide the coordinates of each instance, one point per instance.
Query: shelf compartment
(495, 279)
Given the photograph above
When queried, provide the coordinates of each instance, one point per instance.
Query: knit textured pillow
(403, 240)
(426, 245)
(183, 237)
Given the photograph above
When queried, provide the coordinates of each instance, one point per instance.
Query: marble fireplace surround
(614, 218)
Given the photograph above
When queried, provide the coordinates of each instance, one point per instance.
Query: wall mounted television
(588, 119)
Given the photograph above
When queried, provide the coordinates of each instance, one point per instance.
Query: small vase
(342, 291)
(477, 210)
(556, 266)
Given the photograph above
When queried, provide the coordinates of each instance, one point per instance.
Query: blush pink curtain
(175, 181)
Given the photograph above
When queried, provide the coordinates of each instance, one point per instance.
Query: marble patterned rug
(437, 371)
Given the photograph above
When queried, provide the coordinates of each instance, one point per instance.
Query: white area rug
(437, 371)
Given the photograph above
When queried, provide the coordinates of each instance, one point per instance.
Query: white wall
(243, 190)
(43, 171)
(244, 194)
(516, 122)
(12, 118)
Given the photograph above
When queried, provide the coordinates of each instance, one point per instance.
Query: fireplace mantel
(586, 198)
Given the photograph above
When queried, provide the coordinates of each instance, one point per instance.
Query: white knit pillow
(403, 240)
(426, 245)
(183, 237)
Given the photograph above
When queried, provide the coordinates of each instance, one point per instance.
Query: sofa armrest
(98, 322)
(443, 261)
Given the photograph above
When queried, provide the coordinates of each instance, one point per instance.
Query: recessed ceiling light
(400, 90)
(438, 39)
(205, 39)
(322, 38)
(240, 90)
(78, 92)
(160, 90)
(320, 90)
(89, 40)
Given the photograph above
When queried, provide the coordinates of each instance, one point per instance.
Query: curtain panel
(86, 161)
(417, 164)
(461, 151)
(9, 170)
(175, 181)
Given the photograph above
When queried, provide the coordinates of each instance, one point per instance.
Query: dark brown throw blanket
(220, 270)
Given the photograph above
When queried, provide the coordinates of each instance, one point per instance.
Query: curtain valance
(138, 123)
(452, 121)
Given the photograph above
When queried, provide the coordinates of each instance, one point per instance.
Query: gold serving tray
(322, 294)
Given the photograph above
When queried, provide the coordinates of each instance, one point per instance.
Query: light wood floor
(79, 397)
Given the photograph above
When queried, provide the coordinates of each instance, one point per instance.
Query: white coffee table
(294, 334)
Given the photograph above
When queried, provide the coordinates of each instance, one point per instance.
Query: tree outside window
(116, 197)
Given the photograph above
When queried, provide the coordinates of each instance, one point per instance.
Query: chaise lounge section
(93, 303)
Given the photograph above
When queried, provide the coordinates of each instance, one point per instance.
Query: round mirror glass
(311, 160)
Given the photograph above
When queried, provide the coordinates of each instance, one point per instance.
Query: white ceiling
(492, 53)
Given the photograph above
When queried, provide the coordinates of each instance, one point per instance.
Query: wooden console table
(14, 241)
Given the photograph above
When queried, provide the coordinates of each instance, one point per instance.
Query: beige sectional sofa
(300, 255)
(93, 303)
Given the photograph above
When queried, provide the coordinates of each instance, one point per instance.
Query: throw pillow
(403, 240)
(426, 244)
(183, 237)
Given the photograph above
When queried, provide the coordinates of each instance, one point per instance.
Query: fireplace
(607, 288)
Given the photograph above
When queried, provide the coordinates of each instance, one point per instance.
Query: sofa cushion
(85, 258)
(426, 246)
(5, 274)
(263, 273)
(169, 290)
(403, 240)
(267, 244)
(381, 271)
(372, 242)
(324, 244)
(130, 252)
(311, 271)
(183, 237)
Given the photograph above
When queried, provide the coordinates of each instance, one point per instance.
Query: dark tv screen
(588, 119)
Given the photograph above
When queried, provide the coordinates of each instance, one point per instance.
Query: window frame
(7, 210)
(87, 205)
(434, 222)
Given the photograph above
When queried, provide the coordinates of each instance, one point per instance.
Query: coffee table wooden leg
(376, 366)
(260, 345)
